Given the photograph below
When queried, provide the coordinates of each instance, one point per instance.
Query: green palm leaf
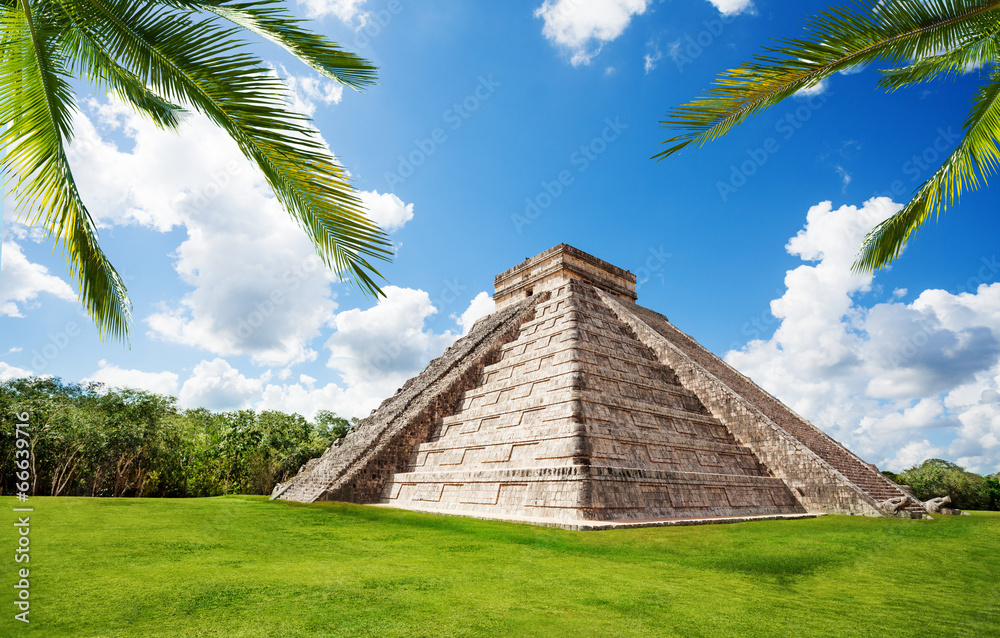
(157, 55)
(836, 40)
(105, 74)
(975, 158)
(978, 51)
(934, 38)
(270, 19)
(36, 103)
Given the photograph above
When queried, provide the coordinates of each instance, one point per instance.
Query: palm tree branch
(971, 54)
(840, 39)
(270, 19)
(105, 74)
(35, 104)
(976, 156)
(208, 70)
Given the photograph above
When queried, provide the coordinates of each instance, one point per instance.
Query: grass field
(243, 566)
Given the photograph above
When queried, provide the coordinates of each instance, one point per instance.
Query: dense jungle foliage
(88, 440)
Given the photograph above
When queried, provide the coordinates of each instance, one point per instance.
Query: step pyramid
(573, 406)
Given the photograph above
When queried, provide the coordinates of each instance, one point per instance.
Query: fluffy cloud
(257, 287)
(216, 385)
(481, 306)
(652, 58)
(386, 210)
(114, 377)
(8, 372)
(373, 351)
(350, 12)
(381, 347)
(23, 281)
(893, 380)
(582, 27)
(732, 7)
(304, 91)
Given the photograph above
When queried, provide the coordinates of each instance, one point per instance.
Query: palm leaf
(36, 107)
(975, 158)
(270, 19)
(977, 51)
(192, 61)
(105, 74)
(836, 40)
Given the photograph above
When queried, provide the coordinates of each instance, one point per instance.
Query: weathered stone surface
(893, 505)
(579, 421)
(937, 506)
(571, 405)
(934, 505)
(357, 468)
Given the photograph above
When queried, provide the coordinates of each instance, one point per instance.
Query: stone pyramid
(574, 407)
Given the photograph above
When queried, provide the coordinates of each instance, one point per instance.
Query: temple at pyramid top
(572, 406)
(555, 267)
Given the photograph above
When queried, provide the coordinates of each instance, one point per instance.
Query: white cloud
(480, 306)
(813, 89)
(845, 177)
(114, 377)
(386, 210)
(732, 7)
(378, 349)
(306, 90)
(582, 27)
(892, 380)
(257, 287)
(350, 12)
(218, 386)
(21, 281)
(8, 372)
(653, 57)
(373, 350)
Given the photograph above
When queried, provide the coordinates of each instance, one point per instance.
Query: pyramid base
(583, 525)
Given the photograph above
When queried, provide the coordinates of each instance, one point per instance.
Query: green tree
(937, 477)
(919, 41)
(157, 55)
(331, 426)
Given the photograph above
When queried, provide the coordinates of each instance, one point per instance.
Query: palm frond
(193, 61)
(836, 40)
(90, 60)
(975, 158)
(272, 20)
(36, 108)
(979, 50)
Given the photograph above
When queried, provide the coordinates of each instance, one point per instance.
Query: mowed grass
(243, 566)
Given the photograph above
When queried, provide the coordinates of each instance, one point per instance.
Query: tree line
(937, 477)
(88, 440)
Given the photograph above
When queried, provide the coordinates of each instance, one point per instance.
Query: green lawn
(243, 566)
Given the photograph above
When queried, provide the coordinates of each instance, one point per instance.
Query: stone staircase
(861, 474)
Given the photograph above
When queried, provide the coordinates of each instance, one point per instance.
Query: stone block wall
(819, 486)
(357, 466)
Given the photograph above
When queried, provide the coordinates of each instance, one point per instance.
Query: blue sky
(498, 130)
